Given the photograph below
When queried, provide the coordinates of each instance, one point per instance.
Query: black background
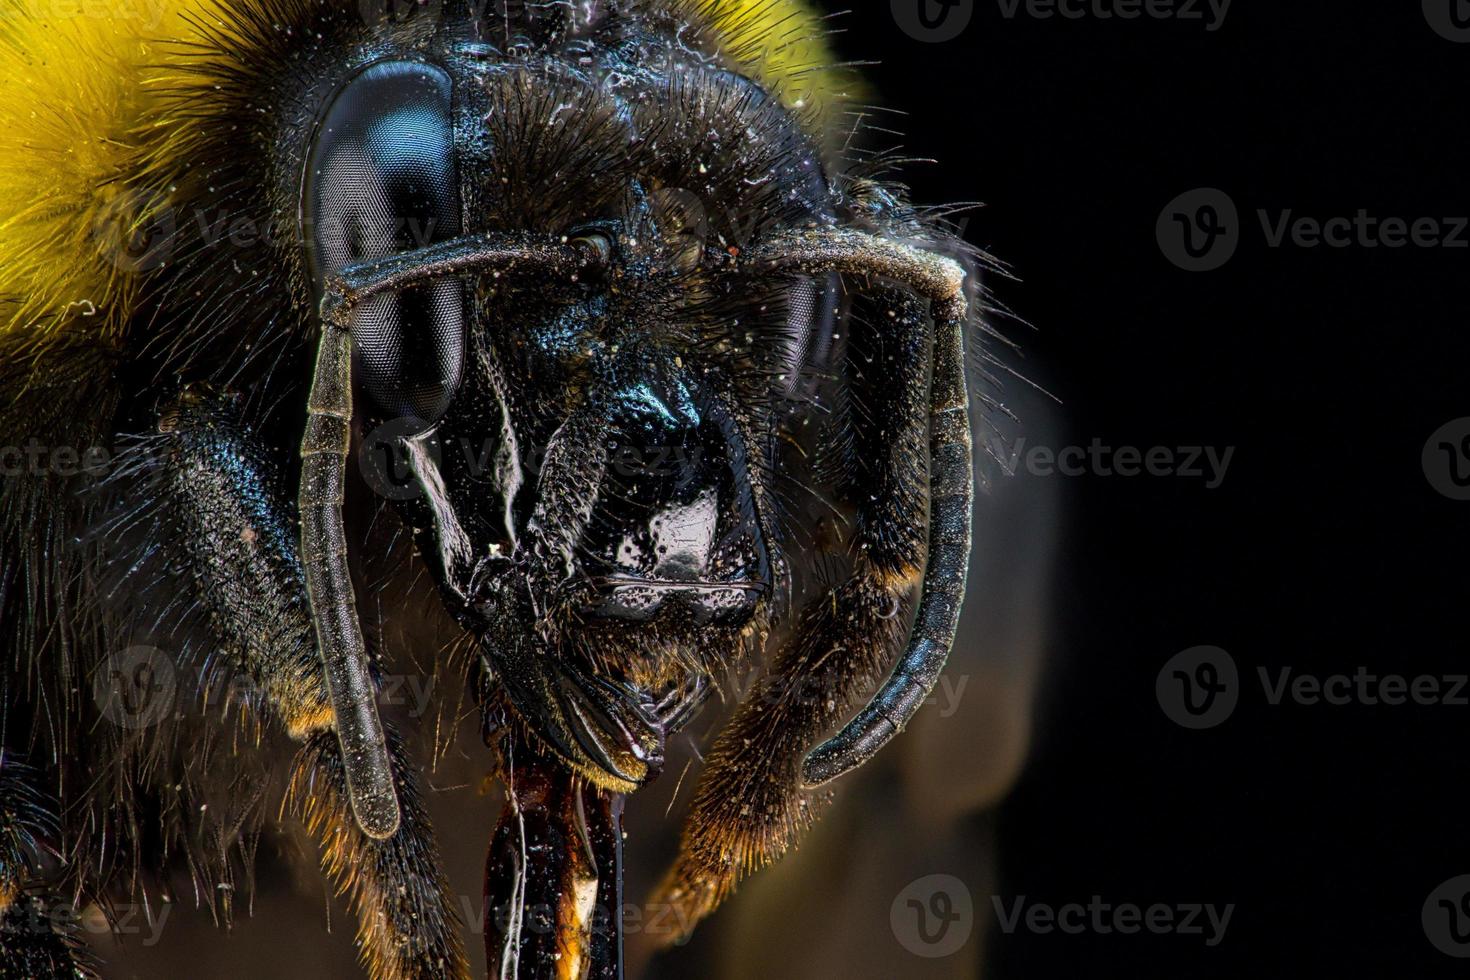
(1325, 549)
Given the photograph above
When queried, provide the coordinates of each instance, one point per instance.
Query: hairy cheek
(419, 635)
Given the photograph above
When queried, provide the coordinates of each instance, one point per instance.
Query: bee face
(588, 447)
(585, 272)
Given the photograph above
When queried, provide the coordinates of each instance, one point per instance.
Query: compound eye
(381, 179)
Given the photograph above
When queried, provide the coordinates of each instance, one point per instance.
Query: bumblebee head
(568, 383)
(575, 276)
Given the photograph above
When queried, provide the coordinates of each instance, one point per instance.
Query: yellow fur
(79, 161)
(783, 44)
(89, 151)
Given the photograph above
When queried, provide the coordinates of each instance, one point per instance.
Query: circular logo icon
(136, 231)
(1449, 18)
(136, 688)
(1446, 459)
(933, 21)
(1446, 917)
(1199, 688)
(1199, 230)
(933, 916)
(385, 458)
(400, 11)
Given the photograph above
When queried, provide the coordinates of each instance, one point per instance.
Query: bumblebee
(580, 329)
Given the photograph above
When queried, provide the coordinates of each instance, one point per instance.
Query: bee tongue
(611, 735)
(622, 716)
(553, 877)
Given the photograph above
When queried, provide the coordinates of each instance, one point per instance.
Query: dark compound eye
(381, 180)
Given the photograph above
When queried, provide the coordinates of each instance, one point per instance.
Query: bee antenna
(324, 451)
(324, 448)
(951, 474)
